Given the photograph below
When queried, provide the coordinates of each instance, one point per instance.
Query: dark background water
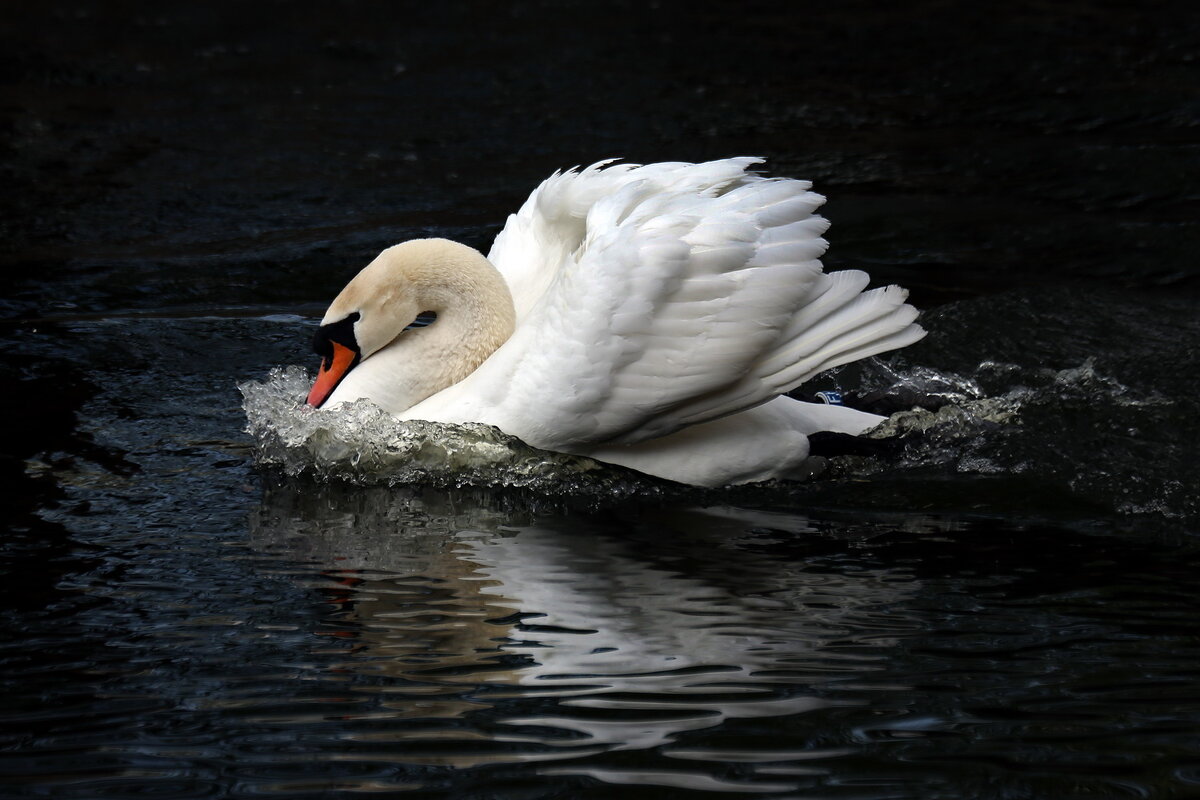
(1003, 606)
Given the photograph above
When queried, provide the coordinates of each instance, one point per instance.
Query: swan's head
(405, 284)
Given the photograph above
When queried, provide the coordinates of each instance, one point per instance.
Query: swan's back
(651, 298)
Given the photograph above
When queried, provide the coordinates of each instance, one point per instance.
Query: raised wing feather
(665, 296)
(540, 239)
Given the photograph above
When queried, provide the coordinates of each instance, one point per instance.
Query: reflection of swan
(558, 640)
(644, 316)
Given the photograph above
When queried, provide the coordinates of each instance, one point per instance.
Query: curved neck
(474, 317)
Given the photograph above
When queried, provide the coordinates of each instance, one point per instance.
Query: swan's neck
(474, 317)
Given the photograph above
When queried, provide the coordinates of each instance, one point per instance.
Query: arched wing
(542, 237)
(690, 292)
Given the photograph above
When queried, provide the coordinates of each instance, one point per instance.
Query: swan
(650, 316)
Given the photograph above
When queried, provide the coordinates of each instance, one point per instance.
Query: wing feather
(653, 298)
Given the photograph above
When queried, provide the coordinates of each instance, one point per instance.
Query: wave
(1077, 435)
(360, 443)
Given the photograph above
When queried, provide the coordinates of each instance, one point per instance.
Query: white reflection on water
(572, 636)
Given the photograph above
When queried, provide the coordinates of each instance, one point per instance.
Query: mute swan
(648, 316)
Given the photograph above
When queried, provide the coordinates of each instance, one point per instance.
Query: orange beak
(331, 373)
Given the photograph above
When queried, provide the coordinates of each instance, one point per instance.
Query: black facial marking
(341, 332)
(423, 319)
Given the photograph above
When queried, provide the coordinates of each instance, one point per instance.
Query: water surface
(992, 597)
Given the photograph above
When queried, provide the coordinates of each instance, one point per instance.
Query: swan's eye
(341, 332)
(423, 319)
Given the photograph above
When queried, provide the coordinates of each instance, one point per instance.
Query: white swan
(647, 316)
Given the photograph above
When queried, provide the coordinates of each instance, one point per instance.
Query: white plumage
(659, 311)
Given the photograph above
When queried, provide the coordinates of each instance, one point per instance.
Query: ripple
(679, 779)
(615, 651)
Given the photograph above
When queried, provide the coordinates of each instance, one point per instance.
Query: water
(362, 443)
(207, 594)
(918, 623)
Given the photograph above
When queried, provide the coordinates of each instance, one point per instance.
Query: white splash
(360, 443)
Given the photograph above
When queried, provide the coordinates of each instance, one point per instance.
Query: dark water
(994, 598)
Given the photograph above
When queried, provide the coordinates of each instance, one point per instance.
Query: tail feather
(845, 324)
(894, 330)
(854, 323)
